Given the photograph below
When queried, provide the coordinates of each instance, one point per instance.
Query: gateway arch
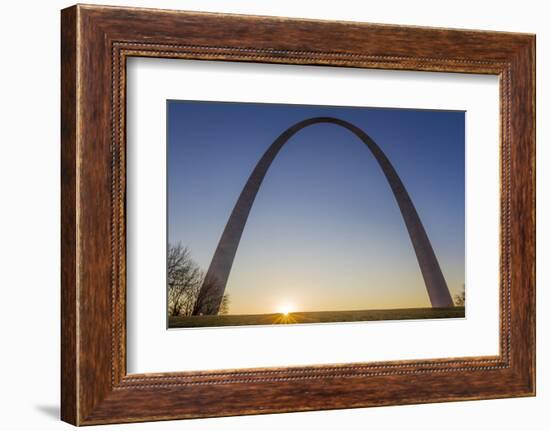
(212, 290)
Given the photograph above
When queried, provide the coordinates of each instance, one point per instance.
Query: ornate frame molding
(96, 41)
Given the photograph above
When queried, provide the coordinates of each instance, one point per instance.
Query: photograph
(303, 214)
(275, 216)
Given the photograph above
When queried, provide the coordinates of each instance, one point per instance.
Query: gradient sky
(325, 232)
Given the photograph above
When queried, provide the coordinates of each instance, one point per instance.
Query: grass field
(315, 317)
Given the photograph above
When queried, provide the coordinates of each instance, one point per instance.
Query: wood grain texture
(69, 398)
(96, 41)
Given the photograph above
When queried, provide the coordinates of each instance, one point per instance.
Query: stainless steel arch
(213, 288)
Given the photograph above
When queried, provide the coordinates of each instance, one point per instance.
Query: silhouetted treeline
(460, 298)
(184, 281)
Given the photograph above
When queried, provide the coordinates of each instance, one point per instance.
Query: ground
(315, 317)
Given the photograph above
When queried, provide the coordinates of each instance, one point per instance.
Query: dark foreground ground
(315, 317)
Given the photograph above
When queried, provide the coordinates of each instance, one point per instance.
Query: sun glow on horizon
(286, 309)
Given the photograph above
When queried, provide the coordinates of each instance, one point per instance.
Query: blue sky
(325, 232)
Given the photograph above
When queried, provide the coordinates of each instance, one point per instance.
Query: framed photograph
(266, 215)
(309, 215)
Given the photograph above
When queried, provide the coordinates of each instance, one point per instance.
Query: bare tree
(184, 279)
(224, 306)
(207, 302)
(188, 292)
(460, 298)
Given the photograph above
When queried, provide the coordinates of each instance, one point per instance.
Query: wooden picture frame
(95, 43)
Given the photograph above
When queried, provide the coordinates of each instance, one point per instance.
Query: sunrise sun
(286, 309)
